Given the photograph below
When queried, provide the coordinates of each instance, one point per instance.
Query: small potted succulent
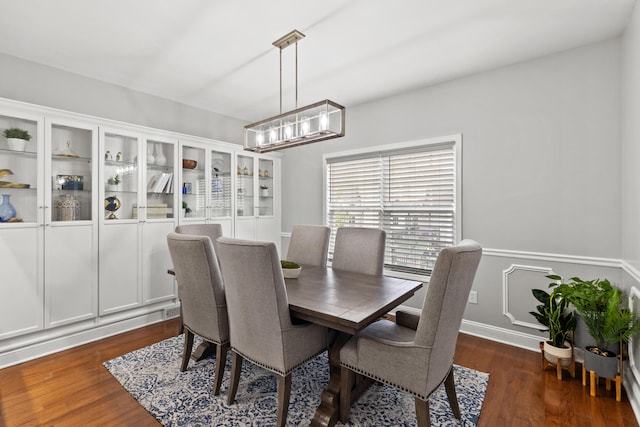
(17, 138)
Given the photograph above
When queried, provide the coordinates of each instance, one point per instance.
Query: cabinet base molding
(43, 343)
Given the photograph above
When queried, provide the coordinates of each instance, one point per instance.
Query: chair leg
(284, 392)
(186, 352)
(422, 413)
(347, 379)
(450, 388)
(236, 367)
(221, 361)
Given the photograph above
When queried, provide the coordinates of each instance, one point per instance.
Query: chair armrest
(407, 320)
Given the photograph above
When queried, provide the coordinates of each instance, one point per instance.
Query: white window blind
(411, 194)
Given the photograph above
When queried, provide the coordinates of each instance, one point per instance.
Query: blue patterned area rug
(152, 376)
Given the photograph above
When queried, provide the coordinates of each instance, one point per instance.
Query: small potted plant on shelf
(113, 182)
(17, 138)
(185, 209)
(554, 314)
(608, 319)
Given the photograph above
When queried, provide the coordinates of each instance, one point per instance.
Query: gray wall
(541, 168)
(38, 84)
(631, 141)
(630, 216)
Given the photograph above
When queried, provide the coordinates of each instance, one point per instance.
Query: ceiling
(218, 55)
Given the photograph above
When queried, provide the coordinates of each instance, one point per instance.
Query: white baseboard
(43, 347)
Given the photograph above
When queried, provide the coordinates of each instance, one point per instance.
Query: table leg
(204, 350)
(328, 412)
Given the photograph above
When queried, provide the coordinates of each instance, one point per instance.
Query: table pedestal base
(328, 412)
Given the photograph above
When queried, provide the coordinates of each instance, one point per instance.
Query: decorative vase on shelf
(7, 211)
(150, 157)
(160, 159)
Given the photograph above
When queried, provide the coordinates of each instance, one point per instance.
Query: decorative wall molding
(634, 304)
(631, 271)
(505, 291)
(543, 256)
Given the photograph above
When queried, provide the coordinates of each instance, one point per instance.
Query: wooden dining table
(346, 302)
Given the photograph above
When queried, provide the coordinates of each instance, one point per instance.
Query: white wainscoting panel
(514, 277)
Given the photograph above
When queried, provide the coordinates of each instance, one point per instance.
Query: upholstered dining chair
(259, 320)
(359, 250)
(204, 308)
(212, 230)
(309, 244)
(416, 353)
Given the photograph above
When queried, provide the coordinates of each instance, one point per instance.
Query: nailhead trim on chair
(375, 377)
(274, 370)
(207, 339)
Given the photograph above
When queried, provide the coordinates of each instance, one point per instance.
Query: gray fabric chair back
(309, 244)
(212, 230)
(204, 308)
(360, 250)
(257, 300)
(444, 305)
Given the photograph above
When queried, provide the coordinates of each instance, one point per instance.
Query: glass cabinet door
(245, 186)
(71, 173)
(265, 187)
(120, 176)
(194, 182)
(220, 184)
(18, 170)
(161, 179)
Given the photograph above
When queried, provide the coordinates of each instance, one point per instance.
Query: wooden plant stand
(571, 368)
(594, 380)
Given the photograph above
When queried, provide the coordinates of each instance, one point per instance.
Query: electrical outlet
(473, 297)
(170, 313)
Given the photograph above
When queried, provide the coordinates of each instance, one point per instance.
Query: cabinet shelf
(27, 154)
(120, 163)
(58, 158)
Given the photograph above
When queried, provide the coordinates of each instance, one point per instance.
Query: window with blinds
(408, 191)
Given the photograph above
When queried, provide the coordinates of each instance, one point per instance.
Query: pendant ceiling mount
(315, 122)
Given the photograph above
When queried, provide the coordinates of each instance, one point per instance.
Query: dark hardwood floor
(72, 388)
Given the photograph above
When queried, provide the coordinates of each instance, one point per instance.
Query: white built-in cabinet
(206, 184)
(70, 221)
(257, 197)
(94, 201)
(138, 179)
(22, 243)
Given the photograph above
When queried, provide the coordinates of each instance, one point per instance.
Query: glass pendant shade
(316, 122)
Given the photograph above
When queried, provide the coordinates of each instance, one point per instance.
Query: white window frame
(455, 140)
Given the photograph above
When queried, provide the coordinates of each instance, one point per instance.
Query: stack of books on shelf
(162, 183)
(155, 211)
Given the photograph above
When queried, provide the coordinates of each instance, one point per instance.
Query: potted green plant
(290, 269)
(606, 316)
(185, 209)
(17, 138)
(113, 182)
(553, 313)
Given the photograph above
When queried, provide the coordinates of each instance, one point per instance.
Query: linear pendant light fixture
(313, 123)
